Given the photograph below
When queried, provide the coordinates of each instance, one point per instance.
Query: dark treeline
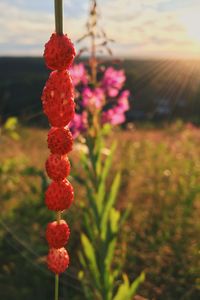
(160, 89)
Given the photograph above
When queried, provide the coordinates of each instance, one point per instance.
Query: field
(161, 187)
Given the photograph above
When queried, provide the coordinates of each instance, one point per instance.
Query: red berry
(58, 260)
(59, 195)
(57, 167)
(57, 99)
(60, 140)
(59, 52)
(57, 234)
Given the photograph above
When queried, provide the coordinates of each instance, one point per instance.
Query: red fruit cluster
(57, 98)
(60, 140)
(57, 235)
(57, 167)
(58, 105)
(59, 52)
(58, 260)
(59, 195)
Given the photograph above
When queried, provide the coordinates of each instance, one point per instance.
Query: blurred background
(157, 43)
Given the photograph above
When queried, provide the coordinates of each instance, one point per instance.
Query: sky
(140, 28)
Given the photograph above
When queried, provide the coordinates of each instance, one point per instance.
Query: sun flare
(191, 22)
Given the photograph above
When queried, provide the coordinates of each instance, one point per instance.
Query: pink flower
(113, 116)
(79, 74)
(113, 81)
(78, 124)
(116, 115)
(122, 102)
(93, 98)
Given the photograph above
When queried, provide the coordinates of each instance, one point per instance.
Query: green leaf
(82, 260)
(106, 168)
(89, 252)
(123, 290)
(86, 166)
(11, 123)
(114, 220)
(10, 128)
(98, 155)
(127, 291)
(89, 225)
(110, 253)
(93, 205)
(106, 129)
(109, 204)
(108, 162)
(98, 164)
(125, 216)
(135, 285)
(100, 196)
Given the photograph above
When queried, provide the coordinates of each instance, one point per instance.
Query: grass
(160, 185)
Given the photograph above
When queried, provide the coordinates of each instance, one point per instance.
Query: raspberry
(57, 234)
(58, 260)
(57, 167)
(57, 99)
(60, 140)
(59, 52)
(59, 195)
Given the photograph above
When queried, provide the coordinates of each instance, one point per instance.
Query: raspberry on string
(57, 235)
(58, 260)
(59, 195)
(60, 140)
(58, 105)
(59, 52)
(58, 99)
(57, 167)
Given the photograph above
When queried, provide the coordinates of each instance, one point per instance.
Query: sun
(191, 22)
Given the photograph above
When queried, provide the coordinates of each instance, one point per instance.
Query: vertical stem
(57, 276)
(58, 216)
(59, 30)
(93, 25)
(56, 286)
(58, 16)
(93, 58)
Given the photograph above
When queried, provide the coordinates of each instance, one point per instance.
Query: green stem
(58, 16)
(56, 286)
(57, 276)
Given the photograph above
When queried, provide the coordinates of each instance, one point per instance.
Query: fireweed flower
(116, 115)
(93, 98)
(107, 97)
(79, 124)
(122, 101)
(113, 81)
(58, 105)
(113, 116)
(78, 74)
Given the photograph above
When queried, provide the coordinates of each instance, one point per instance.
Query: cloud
(148, 28)
(139, 27)
(24, 27)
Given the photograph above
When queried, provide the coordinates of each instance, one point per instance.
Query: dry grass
(160, 184)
